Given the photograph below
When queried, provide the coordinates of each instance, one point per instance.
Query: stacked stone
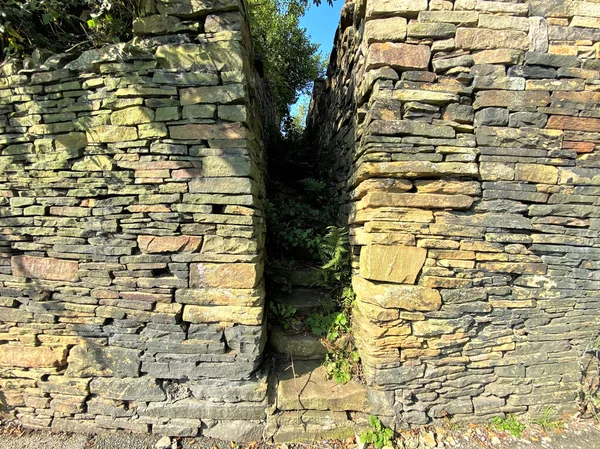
(132, 230)
(466, 137)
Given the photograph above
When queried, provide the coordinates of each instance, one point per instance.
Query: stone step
(301, 346)
(303, 385)
(311, 426)
(305, 300)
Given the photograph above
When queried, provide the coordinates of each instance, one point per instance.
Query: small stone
(163, 443)
(132, 116)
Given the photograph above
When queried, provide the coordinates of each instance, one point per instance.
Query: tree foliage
(57, 25)
(291, 61)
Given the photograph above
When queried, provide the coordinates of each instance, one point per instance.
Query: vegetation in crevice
(589, 393)
(304, 234)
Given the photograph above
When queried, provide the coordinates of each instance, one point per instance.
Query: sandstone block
(132, 116)
(111, 134)
(32, 357)
(423, 30)
(89, 360)
(226, 275)
(227, 314)
(573, 123)
(465, 18)
(45, 268)
(144, 389)
(486, 39)
(398, 56)
(397, 264)
(94, 163)
(231, 93)
(513, 100)
(396, 296)
(155, 244)
(391, 29)
(427, 201)
(381, 8)
(539, 174)
(206, 131)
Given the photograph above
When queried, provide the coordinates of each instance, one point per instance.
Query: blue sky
(320, 23)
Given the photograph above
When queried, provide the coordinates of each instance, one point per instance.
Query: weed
(341, 365)
(589, 393)
(509, 424)
(546, 423)
(378, 435)
(285, 314)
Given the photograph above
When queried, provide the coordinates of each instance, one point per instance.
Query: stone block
(111, 134)
(223, 314)
(93, 163)
(397, 264)
(89, 360)
(565, 122)
(395, 296)
(32, 357)
(382, 8)
(391, 29)
(132, 116)
(398, 56)
(208, 131)
(536, 173)
(155, 244)
(486, 39)
(225, 275)
(143, 389)
(45, 268)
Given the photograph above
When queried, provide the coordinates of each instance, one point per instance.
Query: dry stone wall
(132, 230)
(464, 135)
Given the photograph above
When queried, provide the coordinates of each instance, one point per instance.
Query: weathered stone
(379, 8)
(32, 357)
(398, 56)
(491, 117)
(232, 275)
(132, 116)
(391, 29)
(527, 119)
(231, 93)
(128, 389)
(429, 201)
(307, 388)
(399, 264)
(229, 314)
(152, 244)
(394, 296)
(565, 122)
(111, 134)
(424, 30)
(89, 360)
(484, 39)
(93, 163)
(199, 132)
(45, 268)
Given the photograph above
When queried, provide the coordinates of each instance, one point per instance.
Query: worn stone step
(302, 346)
(303, 385)
(311, 426)
(304, 299)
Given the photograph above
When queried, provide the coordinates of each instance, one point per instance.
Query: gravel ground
(575, 435)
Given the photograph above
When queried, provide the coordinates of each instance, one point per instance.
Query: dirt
(575, 434)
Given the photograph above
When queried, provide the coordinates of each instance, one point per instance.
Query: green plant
(378, 435)
(285, 314)
(589, 393)
(57, 25)
(340, 365)
(291, 61)
(509, 424)
(546, 423)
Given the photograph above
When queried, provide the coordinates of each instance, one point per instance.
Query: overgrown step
(303, 385)
(304, 299)
(302, 346)
(311, 408)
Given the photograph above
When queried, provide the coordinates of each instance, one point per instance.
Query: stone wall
(464, 135)
(132, 230)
